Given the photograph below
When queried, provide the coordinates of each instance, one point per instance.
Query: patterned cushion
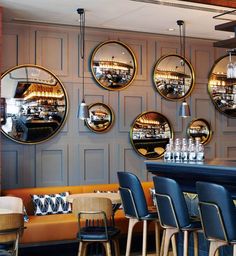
(51, 204)
(152, 192)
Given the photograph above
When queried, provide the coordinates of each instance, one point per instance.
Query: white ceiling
(154, 16)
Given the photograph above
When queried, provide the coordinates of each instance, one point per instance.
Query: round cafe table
(5, 211)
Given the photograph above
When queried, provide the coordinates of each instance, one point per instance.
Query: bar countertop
(216, 170)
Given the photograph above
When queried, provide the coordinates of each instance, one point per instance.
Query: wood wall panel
(51, 165)
(52, 51)
(95, 168)
(77, 155)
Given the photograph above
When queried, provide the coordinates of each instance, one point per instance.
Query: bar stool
(218, 215)
(135, 208)
(173, 214)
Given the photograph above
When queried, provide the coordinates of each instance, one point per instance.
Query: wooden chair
(11, 228)
(95, 223)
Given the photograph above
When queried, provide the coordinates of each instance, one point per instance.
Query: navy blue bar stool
(218, 215)
(173, 214)
(135, 208)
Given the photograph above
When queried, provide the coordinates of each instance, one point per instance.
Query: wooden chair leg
(107, 248)
(162, 242)
(234, 250)
(116, 247)
(82, 248)
(195, 243)
(185, 243)
(214, 246)
(157, 237)
(174, 247)
(144, 247)
(132, 223)
(168, 234)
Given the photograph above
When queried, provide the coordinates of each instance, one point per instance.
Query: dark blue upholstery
(168, 187)
(219, 196)
(131, 190)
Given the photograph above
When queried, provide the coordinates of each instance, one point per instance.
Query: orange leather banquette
(63, 227)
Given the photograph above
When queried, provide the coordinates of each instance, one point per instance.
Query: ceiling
(153, 16)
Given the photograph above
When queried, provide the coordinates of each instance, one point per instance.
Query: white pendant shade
(83, 111)
(184, 110)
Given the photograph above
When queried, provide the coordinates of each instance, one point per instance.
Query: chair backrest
(12, 203)
(132, 195)
(171, 205)
(11, 227)
(217, 211)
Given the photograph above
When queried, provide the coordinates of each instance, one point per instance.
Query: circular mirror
(100, 119)
(113, 65)
(200, 128)
(222, 90)
(150, 133)
(173, 77)
(34, 103)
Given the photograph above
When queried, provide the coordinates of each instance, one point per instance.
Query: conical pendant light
(83, 112)
(184, 110)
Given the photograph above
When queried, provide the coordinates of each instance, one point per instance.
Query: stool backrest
(217, 211)
(171, 205)
(132, 195)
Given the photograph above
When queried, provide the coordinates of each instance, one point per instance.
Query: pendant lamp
(83, 112)
(184, 110)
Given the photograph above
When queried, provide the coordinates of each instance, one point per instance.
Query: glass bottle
(200, 153)
(177, 151)
(184, 152)
(192, 152)
(168, 153)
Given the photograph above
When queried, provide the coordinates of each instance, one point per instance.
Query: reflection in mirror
(113, 65)
(222, 90)
(200, 128)
(173, 77)
(35, 104)
(100, 119)
(150, 133)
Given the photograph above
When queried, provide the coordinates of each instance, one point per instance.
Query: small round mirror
(200, 128)
(150, 133)
(113, 65)
(100, 119)
(173, 77)
(221, 89)
(34, 104)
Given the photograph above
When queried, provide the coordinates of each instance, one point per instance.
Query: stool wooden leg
(174, 247)
(157, 237)
(107, 248)
(185, 243)
(132, 223)
(168, 234)
(162, 242)
(234, 250)
(195, 243)
(116, 247)
(214, 246)
(144, 247)
(82, 248)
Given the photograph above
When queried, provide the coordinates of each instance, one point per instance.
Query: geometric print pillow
(51, 204)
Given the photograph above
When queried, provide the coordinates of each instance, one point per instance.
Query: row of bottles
(184, 151)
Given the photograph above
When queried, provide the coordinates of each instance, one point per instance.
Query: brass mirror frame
(156, 152)
(27, 118)
(100, 120)
(222, 90)
(173, 75)
(208, 127)
(128, 49)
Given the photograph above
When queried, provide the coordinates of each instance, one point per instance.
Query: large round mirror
(222, 90)
(150, 133)
(200, 128)
(173, 77)
(113, 65)
(34, 104)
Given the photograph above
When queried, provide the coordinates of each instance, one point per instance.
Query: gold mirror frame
(172, 79)
(113, 65)
(101, 118)
(150, 133)
(35, 103)
(222, 90)
(200, 128)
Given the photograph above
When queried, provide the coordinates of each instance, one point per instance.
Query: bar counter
(186, 174)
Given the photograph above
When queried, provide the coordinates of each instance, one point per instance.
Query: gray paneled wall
(78, 156)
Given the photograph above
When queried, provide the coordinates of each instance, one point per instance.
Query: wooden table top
(114, 197)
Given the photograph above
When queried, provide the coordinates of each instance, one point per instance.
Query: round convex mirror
(34, 104)
(199, 128)
(173, 77)
(221, 89)
(113, 65)
(150, 133)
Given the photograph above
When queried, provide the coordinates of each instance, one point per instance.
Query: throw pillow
(192, 203)
(51, 204)
(152, 192)
(26, 216)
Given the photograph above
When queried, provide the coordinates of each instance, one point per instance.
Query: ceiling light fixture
(83, 112)
(184, 110)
